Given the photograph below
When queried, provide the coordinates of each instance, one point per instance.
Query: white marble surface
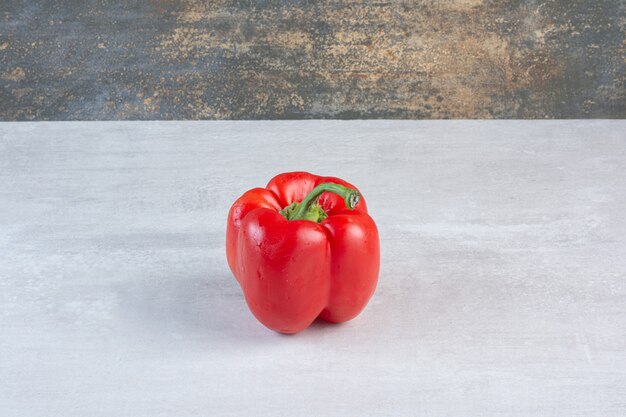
(502, 289)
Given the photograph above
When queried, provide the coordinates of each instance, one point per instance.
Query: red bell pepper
(301, 248)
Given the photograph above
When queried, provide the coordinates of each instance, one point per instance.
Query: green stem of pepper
(307, 209)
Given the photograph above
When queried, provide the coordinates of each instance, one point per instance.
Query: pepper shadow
(206, 309)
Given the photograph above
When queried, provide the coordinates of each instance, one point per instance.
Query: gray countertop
(502, 288)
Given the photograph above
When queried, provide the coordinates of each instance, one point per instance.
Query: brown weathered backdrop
(176, 59)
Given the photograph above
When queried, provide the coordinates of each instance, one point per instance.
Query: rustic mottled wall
(176, 59)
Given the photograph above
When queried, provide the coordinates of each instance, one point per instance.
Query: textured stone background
(221, 59)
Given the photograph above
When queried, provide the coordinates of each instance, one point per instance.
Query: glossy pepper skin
(294, 271)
